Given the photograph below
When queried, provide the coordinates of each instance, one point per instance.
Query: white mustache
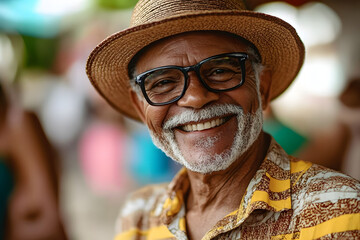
(190, 115)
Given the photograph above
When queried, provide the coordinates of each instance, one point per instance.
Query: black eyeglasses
(167, 84)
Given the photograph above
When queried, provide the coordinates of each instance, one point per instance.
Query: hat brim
(278, 43)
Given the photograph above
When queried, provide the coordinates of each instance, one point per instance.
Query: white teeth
(203, 126)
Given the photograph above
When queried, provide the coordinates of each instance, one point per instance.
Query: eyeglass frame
(242, 56)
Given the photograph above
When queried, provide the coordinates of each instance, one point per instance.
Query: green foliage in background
(116, 4)
(40, 52)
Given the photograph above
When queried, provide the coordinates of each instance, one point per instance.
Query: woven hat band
(147, 11)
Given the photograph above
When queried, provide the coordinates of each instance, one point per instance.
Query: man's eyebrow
(159, 72)
(232, 62)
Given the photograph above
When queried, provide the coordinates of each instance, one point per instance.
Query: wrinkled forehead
(172, 44)
(216, 37)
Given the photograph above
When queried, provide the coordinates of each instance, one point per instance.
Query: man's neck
(213, 196)
(226, 188)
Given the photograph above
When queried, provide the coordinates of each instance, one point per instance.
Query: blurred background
(101, 155)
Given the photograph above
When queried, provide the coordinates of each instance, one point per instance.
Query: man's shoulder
(324, 201)
(318, 179)
(144, 198)
(316, 186)
(141, 206)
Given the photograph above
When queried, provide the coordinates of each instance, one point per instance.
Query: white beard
(249, 128)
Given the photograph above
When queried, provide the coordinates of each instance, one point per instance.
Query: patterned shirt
(286, 199)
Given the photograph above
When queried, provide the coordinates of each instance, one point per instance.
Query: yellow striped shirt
(294, 199)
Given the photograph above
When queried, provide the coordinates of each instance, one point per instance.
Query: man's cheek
(153, 121)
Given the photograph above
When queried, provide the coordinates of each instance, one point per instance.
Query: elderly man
(198, 74)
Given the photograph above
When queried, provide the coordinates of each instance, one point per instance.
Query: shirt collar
(269, 189)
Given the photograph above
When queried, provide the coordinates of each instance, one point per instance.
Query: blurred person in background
(338, 147)
(29, 176)
(350, 116)
(199, 74)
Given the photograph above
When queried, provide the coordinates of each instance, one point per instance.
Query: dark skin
(211, 196)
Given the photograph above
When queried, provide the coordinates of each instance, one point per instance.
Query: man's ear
(139, 104)
(265, 86)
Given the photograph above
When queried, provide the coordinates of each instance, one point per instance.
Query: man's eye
(218, 71)
(162, 83)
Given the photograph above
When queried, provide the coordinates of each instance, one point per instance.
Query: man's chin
(207, 163)
(204, 163)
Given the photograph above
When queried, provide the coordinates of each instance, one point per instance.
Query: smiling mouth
(204, 125)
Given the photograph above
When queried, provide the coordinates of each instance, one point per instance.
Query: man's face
(205, 131)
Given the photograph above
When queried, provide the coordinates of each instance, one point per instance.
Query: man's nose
(196, 95)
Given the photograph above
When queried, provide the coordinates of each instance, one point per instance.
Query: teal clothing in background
(289, 140)
(6, 186)
(148, 163)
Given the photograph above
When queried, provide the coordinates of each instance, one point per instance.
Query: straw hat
(279, 46)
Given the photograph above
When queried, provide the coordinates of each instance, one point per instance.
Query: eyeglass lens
(167, 84)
